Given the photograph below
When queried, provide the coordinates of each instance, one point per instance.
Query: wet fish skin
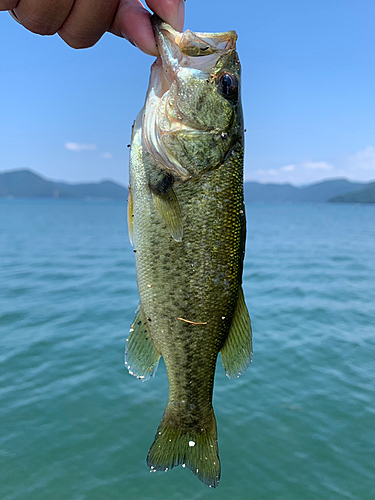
(187, 221)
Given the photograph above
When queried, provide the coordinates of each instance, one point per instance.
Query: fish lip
(167, 42)
(225, 40)
(191, 49)
(158, 24)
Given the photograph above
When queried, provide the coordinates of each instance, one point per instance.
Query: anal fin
(141, 357)
(238, 348)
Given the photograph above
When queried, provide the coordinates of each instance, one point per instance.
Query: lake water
(300, 423)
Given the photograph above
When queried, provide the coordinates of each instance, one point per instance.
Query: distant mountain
(24, 183)
(255, 192)
(104, 189)
(323, 191)
(365, 195)
(27, 184)
(318, 192)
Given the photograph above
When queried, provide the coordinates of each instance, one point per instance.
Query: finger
(43, 16)
(87, 22)
(8, 4)
(132, 21)
(171, 11)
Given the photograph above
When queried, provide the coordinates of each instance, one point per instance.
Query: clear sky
(308, 93)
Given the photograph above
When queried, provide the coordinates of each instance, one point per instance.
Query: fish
(186, 218)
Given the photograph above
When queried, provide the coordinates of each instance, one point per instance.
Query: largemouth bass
(186, 218)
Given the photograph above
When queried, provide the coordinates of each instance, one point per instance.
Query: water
(300, 423)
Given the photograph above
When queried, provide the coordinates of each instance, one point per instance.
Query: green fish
(186, 218)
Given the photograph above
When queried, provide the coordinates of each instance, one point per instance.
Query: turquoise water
(300, 423)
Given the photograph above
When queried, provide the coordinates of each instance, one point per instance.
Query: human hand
(81, 23)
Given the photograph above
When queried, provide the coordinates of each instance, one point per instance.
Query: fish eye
(228, 85)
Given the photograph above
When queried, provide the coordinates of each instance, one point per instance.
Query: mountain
(323, 191)
(365, 195)
(255, 192)
(104, 189)
(24, 183)
(27, 184)
(317, 192)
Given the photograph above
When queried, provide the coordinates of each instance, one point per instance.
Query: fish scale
(189, 241)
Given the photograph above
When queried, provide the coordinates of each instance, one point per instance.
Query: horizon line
(328, 179)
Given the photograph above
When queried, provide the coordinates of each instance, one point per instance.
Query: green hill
(365, 195)
(27, 184)
(317, 192)
(24, 183)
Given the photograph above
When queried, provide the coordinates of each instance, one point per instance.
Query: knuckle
(8, 4)
(39, 26)
(80, 44)
(75, 40)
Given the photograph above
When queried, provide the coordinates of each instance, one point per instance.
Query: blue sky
(308, 93)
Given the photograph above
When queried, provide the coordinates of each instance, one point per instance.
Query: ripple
(75, 424)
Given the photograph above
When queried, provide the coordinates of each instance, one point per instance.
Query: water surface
(300, 423)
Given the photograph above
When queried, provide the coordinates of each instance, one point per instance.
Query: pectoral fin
(167, 205)
(237, 350)
(141, 357)
(130, 216)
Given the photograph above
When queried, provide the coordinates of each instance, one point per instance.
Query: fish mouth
(200, 51)
(196, 52)
(193, 44)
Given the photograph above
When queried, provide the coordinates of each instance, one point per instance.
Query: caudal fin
(192, 446)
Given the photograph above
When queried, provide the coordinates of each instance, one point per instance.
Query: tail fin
(194, 447)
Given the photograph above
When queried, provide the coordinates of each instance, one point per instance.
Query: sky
(308, 91)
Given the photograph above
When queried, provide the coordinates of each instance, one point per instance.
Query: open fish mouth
(181, 82)
(200, 51)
